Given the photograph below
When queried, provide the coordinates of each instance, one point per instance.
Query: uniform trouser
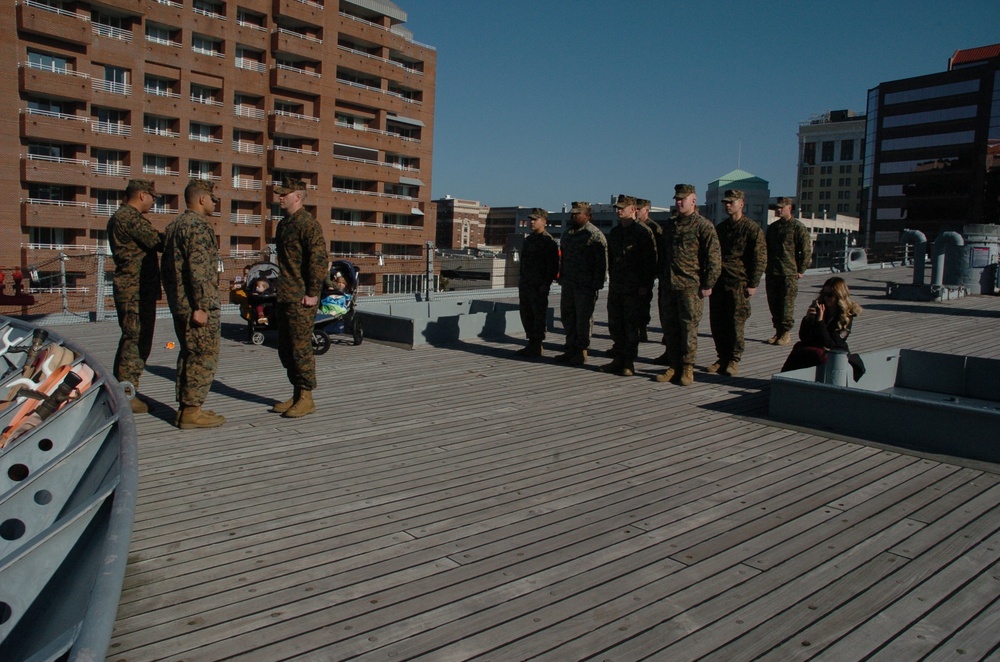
(295, 329)
(534, 308)
(781, 291)
(647, 307)
(681, 311)
(625, 320)
(198, 358)
(137, 320)
(729, 309)
(576, 307)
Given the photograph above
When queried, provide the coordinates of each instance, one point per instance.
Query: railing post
(429, 276)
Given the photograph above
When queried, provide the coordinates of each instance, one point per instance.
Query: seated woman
(826, 326)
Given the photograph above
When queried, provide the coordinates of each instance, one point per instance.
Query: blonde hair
(846, 307)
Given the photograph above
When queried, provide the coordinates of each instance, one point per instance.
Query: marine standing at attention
(789, 251)
(134, 246)
(582, 271)
(302, 269)
(690, 266)
(539, 267)
(631, 271)
(191, 281)
(744, 256)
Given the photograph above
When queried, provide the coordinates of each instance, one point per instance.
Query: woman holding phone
(826, 326)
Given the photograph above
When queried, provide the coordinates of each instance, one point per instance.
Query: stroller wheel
(320, 342)
(257, 338)
(359, 333)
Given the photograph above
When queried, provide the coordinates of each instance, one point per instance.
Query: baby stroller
(336, 312)
(261, 289)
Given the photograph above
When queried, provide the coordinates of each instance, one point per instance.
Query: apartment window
(112, 121)
(113, 27)
(287, 107)
(245, 105)
(828, 149)
(202, 132)
(39, 191)
(160, 87)
(204, 94)
(826, 170)
(155, 164)
(161, 34)
(47, 236)
(846, 169)
(249, 19)
(206, 45)
(208, 8)
(809, 153)
(43, 106)
(403, 190)
(403, 162)
(107, 201)
(203, 169)
(115, 81)
(846, 150)
(45, 150)
(111, 162)
(159, 126)
(48, 62)
(352, 121)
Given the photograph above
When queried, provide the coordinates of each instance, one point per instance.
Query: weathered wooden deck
(453, 503)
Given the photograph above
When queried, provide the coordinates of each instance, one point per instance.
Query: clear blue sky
(542, 102)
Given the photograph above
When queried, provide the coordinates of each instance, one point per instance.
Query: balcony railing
(112, 128)
(204, 139)
(201, 175)
(56, 203)
(170, 3)
(273, 182)
(208, 101)
(401, 65)
(249, 111)
(250, 64)
(166, 133)
(211, 52)
(113, 169)
(56, 159)
(380, 226)
(378, 131)
(247, 148)
(159, 92)
(104, 208)
(296, 150)
(245, 219)
(298, 116)
(83, 248)
(162, 41)
(376, 194)
(247, 184)
(52, 68)
(210, 14)
(314, 5)
(156, 170)
(58, 116)
(285, 67)
(293, 33)
(111, 32)
(247, 24)
(164, 210)
(111, 86)
(396, 166)
(55, 10)
(382, 27)
(243, 252)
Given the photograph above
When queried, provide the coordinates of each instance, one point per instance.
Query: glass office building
(932, 149)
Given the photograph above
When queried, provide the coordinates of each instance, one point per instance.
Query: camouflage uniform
(631, 270)
(539, 267)
(744, 256)
(582, 270)
(657, 231)
(190, 280)
(302, 263)
(691, 261)
(789, 250)
(134, 245)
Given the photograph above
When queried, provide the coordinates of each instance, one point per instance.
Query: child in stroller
(336, 313)
(261, 287)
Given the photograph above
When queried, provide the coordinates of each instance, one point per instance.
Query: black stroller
(337, 307)
(261, 289)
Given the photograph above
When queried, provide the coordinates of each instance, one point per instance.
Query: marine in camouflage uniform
(302, 269)
(631, 271)
(690, 266)
(789, 251)
(744, 256)
(582, 270)
(642, 215)
(134, 247)
(539, 267)
(190, 280)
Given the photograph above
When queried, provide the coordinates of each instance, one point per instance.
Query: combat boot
(718, 366)
(669, 376)
(532, 350)
(687, 375)
(628, 370)
(189, 418)
(304, 405)
(138, 406)
(578, 358)
(662, 359)
(282, 407)
(784, 339)
(614, 367)
(564, 357)
(732, 368)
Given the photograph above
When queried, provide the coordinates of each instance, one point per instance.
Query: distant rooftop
(970, 57)
(831, 116)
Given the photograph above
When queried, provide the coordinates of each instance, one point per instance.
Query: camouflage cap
(642, 203)
(579, 207)
(137, 185)
(538, 212)
(732, 195)
(783, 202)
(624, 201)
(290, 184)
(683, 191)
(202, 186)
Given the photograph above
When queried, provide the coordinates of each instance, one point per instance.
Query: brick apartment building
(242, 92)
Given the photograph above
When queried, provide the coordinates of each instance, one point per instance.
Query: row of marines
(693, 260)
